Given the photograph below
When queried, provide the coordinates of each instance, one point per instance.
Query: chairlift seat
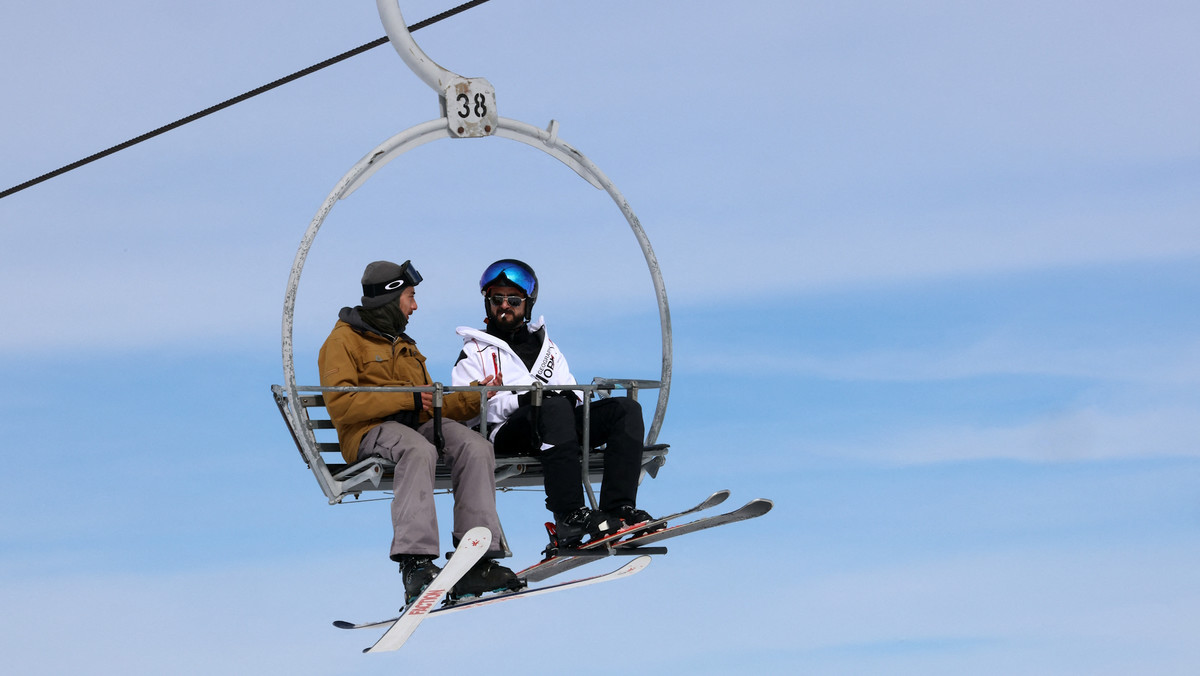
(339, 479)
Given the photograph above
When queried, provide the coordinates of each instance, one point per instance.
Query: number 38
(480, 107)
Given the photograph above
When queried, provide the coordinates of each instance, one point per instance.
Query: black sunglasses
(513, 301)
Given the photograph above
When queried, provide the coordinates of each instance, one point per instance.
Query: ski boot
(417, 571)
(570, 527)
(631, 516)
(484, 577)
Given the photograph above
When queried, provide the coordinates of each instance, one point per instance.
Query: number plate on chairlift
(471, 108)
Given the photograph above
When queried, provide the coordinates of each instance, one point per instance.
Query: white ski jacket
(486, 355)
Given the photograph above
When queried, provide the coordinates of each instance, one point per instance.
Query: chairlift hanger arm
(402, 40)
(467, 104)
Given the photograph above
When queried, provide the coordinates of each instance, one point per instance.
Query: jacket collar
(489, 339)
(351, 316)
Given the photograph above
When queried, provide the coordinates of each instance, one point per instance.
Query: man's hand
(427, 401)
(492, 380)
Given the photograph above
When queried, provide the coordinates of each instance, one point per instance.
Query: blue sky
(933, 274)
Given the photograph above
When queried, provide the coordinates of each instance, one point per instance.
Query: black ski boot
(632, 516)
(484, 577)
(569, 528)
(417, 571)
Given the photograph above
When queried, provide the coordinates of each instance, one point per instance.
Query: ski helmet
(511, 272)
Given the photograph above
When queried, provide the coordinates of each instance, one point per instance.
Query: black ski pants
(616, 423)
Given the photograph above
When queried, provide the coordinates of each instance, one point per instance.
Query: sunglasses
(513, 301)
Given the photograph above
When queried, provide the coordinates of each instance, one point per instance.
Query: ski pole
(535, 439)
(439, 441)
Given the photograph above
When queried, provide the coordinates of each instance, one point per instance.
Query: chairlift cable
(238, 99)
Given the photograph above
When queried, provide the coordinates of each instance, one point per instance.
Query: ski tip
(342, 624)
(755, 508)
(637, 565)
(478, 537)
(762, 505)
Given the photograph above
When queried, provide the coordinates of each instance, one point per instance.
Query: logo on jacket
(545, 370)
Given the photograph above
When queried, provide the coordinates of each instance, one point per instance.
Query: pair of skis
(477, 540)
(633, 539)
(471, 548)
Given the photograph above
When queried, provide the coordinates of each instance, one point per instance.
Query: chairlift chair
(468, 107)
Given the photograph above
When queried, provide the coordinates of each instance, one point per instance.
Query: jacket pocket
(375, 367)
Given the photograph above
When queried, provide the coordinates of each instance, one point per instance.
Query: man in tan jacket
(368, 347)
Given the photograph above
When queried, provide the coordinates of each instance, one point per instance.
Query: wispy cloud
(1086, 434)
(1007, 608)
(1165, 361)
(1171, 365)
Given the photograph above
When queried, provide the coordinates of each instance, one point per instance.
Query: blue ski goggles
(520, 276)
(408, 277)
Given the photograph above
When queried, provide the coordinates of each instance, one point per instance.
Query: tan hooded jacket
(360, 357)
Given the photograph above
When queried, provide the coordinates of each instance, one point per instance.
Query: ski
(557, 559)
(711, 501)
(567, 561)
(635, 566)
(470, 549)
(755, 508)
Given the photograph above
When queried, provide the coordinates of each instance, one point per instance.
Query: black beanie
(382, 282)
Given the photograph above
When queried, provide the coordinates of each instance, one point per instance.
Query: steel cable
(237, 99)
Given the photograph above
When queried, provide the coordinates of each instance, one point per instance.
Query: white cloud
(1002, 356)
(1020, 350)
(1085, 434)
(1125, 403)
(821, 252)
(1033, 610)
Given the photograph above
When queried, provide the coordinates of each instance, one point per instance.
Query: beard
(504, 321)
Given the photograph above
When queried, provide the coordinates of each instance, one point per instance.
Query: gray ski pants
(472, 475)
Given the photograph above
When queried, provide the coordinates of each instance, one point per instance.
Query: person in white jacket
(513, 351)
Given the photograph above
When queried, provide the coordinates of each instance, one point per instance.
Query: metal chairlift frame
(294, 401)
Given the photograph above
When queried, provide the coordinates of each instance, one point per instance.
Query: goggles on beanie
(408, 277)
